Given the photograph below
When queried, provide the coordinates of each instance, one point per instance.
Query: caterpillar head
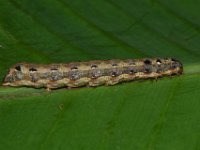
(177, 65)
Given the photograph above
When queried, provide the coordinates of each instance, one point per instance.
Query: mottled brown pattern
(91, 73)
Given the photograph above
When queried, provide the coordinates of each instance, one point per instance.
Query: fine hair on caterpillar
(91, 73)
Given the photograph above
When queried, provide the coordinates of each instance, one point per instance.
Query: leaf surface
(161, 114)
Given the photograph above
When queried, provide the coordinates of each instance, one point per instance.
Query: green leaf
(161, 114)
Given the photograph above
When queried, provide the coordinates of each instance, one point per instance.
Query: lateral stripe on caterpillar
(92, 73)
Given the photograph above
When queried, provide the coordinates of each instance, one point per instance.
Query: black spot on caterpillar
(18, 68)
(91, 73)
(32, 69)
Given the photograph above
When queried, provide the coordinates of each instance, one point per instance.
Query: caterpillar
(91, 73)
